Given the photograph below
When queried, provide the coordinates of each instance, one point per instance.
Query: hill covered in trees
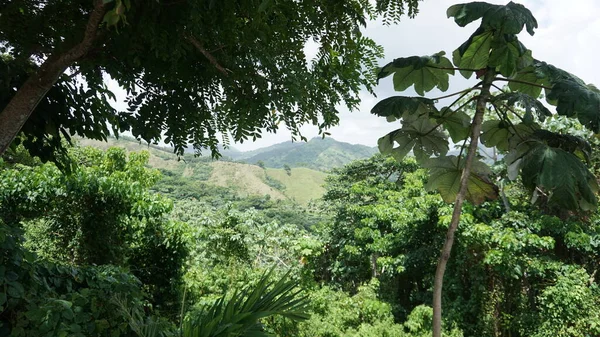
(321, 154)
(191, 176)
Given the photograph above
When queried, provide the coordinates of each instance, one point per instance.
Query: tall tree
(552, 165)
(191, 69)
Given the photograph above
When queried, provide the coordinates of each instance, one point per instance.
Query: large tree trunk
(20, 107)
(482, 100)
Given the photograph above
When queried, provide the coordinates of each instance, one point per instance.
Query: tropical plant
(206, 58)
(551, 165)
(100, 213)
(237, 314)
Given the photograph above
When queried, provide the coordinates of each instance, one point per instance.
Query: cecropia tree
(551, 165)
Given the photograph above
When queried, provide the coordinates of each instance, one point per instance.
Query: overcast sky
(568, 37)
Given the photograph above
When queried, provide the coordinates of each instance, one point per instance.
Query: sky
(568, 37)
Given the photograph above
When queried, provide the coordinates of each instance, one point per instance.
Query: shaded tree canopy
(192, 70)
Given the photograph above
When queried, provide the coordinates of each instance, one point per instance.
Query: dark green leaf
(572, 97)
(457, 123)
(499, 134)
(421, 136)
(424, 72)
(407, 108)
(445, 175)
(559, 176)
(526, 102)
(508, 19)
(504, 58)
(476, 55)
(530, 76)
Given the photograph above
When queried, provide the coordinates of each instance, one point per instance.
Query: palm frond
(240, 314)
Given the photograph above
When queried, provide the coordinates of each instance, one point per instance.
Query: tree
(205, 67)
(551, 165)
(261, 164)
(287, 169)
(100, 214)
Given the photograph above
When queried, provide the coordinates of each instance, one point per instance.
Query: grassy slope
(247, 179)
(302, 185)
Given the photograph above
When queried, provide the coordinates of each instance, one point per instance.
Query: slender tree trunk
(29, 95)
(483, 98)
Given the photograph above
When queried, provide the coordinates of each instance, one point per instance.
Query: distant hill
(318, 154)
(302, 185)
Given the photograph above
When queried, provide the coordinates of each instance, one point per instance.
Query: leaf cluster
(513, 115)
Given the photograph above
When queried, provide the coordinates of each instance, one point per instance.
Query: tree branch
(29, 95)
(454, 68)
(464, 92)
(208, 55)
(522, 82)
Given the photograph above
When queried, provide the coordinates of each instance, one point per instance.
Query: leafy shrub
(49, 299)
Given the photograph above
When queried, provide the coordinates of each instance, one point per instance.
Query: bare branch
(522, 82)
(208, 55)
(454, 68)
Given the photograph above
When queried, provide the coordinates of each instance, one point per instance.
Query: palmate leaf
(484, 48)
(424, 72)
(528, 103)
(403, 107)
(473, 54)
(508, 19)
(445, 174)
(501, 134)
(509, 55)
(572, 97)
(560, 175)
(528, 75)
(572, 144)
(457, 123)
(421, 136)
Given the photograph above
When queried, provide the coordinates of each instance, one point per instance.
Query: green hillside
(318, 154)
(192, 176)
(302, 185)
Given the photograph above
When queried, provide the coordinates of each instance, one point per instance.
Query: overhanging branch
(30, 94)
(208, 55)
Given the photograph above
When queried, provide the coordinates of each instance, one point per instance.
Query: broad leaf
(457, 123)
(445, 174)
(499, 134)
(407, 108)
(421, 136)
(424, 72)
(475, 54)
(506, 55)
(572, 97)
(572, 144)
(508, 19)
(528, 75)
(558, 175)
(528, 103)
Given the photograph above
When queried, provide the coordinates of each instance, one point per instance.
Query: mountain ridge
(321, 154)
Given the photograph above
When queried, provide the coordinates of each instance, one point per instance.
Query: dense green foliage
(366, 259)
(514, 273)
(191, 69)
